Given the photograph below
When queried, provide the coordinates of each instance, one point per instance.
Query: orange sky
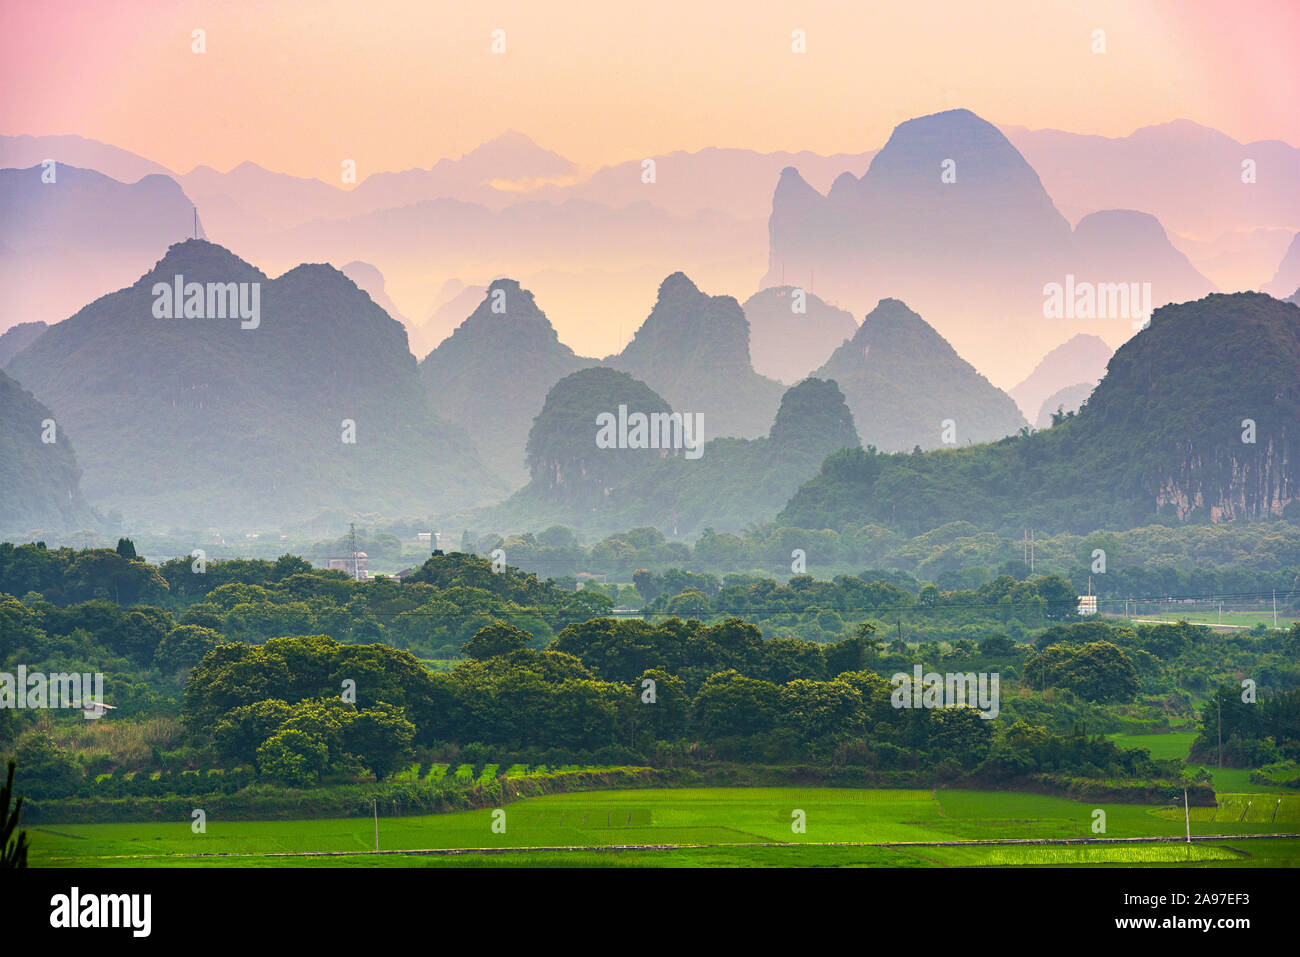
(298, 86)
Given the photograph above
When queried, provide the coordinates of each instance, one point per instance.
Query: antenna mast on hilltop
(196, 222)
(352, 547)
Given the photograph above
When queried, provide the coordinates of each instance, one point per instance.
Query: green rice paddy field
(728, 826)
(1177, 744)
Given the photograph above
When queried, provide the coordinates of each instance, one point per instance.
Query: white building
(358, 568)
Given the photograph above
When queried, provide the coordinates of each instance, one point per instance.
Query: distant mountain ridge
(1082, 359)
(25, 151)
(1173, 432)
(199, 423)
(38, 467)
(1287, 277)
(70, 235)
(903, 381)
(950, 218)
(17, 338)
(693, 349)
(492, 374)
(725, 485)
(1188, 176)
(792, 331)
(1063, 401)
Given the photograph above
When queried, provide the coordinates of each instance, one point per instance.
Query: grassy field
(1234, 619)
(1176, 744)
(726, 821)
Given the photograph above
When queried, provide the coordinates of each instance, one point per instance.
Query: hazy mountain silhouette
(1174, 430)
(371, 281)
(1065, 401)
(67, 242)
(248, 201)
(17, 338)
(492, 374)
(1111, 242)
(693, 349)
(455, 301)
(1082, 359)
(21, 152)
(902, 380)
(419, 245)
(250, 207)
(732, 181)
(1237, 261)
(564, 459)
(787, 344)
(736, 482)
(974, 252)
(1186, 175)
(1287, 277)
(40, 479)
(588, 243)
(201, 423)
(727, 485)
(509, 159)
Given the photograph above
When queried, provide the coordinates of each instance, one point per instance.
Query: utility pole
(1218, 701)
(1187, 815)
(374, 803)
(1275, 609)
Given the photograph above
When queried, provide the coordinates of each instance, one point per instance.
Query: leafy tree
(103, 573)
(648, 585)
(47, 767)
(1082, 632)
(729, 704)
(692, 602)
(141, 632)
(818, 709)
(380, 737)
(1097, 671)
(665, 718)
(13, 842)
(786, 659)
(294, 757)
(498, 638)
(229, 676)
(960, 733)
(875, 693)
(240, 734)
(997, 645)
(184, 647)
(1061, 598)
